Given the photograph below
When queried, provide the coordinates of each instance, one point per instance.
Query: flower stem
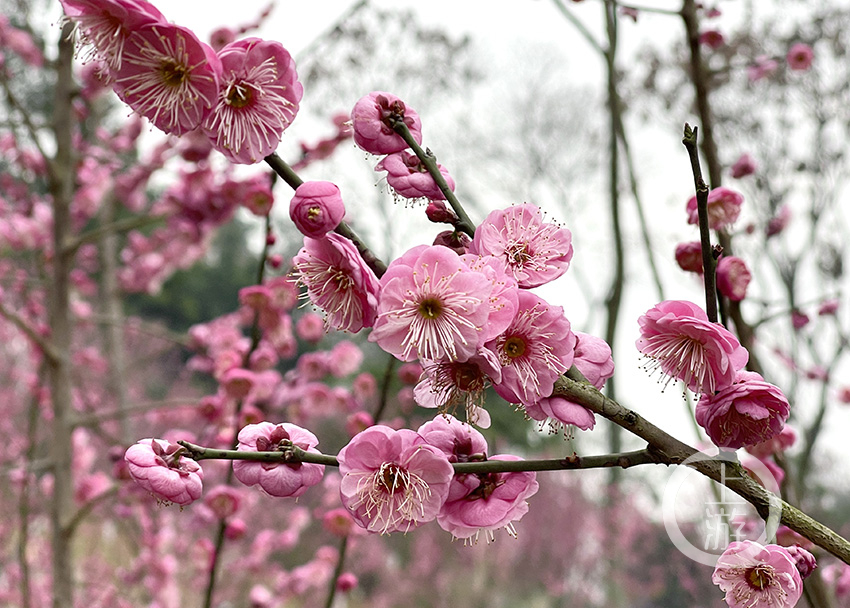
(708, 260)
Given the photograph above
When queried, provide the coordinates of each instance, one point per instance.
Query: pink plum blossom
(763, 67)
(713, 39)
(745, 165)
(257, 100)
(409, 178)
(316, 208)
(684, 344)
(161, 468)
(778, 222)
(487, 501)
(561, 414)
(800, 56)
(310, 327)
(733, 277)
(168, 76)
(338, 281)
(829, 307)
(745, 413)
(393, 480)
(805, 561)
(535, 251)
(756, 576)
(432, 306)
(372, 119)
(223, 501)
(778, 443)
(457, 440)
(503, 298)
(799, 319)
(344, 359)
(724, 207)
(534, 350)
(277, 478)
(104, 25)
(446, 384)
(689, 257)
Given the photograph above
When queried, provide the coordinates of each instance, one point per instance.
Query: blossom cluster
(241, 96)
(393, 480)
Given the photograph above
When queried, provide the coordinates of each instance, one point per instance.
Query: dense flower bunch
(242, 97)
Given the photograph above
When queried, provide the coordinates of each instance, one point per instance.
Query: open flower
(684, 344)
(257, 101)
(447, 384)
(745, 413)
(756, 576)
(536, 252)
(534, 350)
(277, 478)
(432, 306)
(316, 208)
(168, 76)
(372, 119)
(104, 25)
(393, 480)
(800, 56)
(338, 281)
(160, 468)
(724, 207)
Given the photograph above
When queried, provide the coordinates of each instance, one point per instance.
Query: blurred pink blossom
(724, 207)
(689, 257)
(745, 165)
(800, 57)
(733, 277)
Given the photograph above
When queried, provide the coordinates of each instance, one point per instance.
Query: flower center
(430, 308)
(518, 255)
(514, 347)
(314, 212)
(237, 95)
(760, 576)
(172, 73)
(391, 478)
(467, 377)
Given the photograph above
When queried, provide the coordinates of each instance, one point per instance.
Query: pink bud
(316, 208)
(348, 581)
(713, 39)
(161, 469)
(800, 57)
(689, 256)
(733, 277)
(745, 165)
(438, 213)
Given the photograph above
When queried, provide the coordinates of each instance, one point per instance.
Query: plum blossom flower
(393, 480)
(446, 384)
(800, 56)
(372, 119)
(724, 207)
(536, 252)
(161, 468)
(338, 281)
(477, 502)
(168, 76)
(689, 257)
(745, 165)
(684, 344)
(534, 350)
(316, 208)
(104, 25)
(756, 576)
(487, 501)
(733, 277)
(778, 222)
(745, 413)
(277, 478)
(409, 178)
(257, 100)
(805, 561)
(763, 67)
(713, 39)
(592, 357)
(432, 306)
